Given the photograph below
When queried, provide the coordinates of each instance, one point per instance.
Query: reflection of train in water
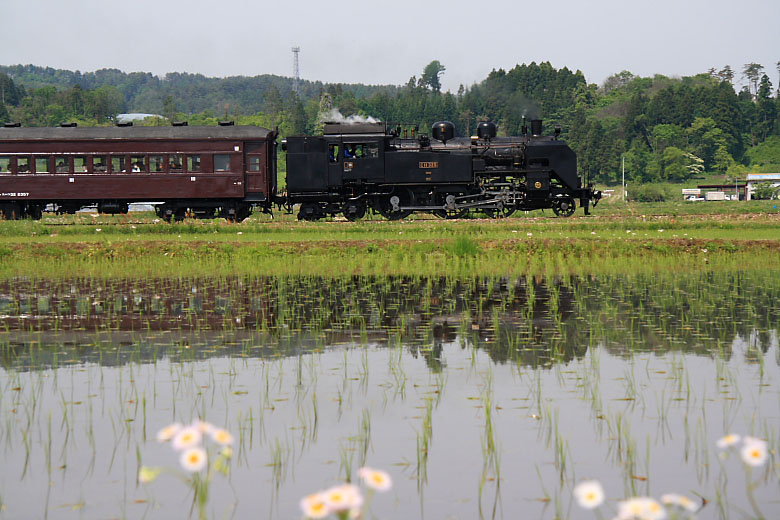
(227, 171)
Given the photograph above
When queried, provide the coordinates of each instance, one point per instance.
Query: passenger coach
(197, 171)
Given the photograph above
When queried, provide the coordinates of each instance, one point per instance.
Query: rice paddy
(483, 391)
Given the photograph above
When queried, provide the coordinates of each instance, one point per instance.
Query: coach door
(256, 169)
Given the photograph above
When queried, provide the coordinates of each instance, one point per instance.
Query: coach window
(138, 163)
(156, 163)
(193, 163)
(80, 164)
(23, 165)
(5, 165)
(221, 162)
(254, 163)
(41, 165)
(62, 164)
(100, 164)
(175, 163)
(118, 164)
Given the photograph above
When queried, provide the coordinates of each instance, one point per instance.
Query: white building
(759, 178)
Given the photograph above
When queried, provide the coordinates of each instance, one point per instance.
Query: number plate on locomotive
(430, 164)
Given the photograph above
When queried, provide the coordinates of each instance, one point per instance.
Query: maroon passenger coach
(198, 171)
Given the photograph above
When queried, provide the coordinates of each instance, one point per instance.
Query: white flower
(193, 459)
(728, 440)
(754, 452)
(343, 498)
(147, 474)
(168, 432)
(202, 426)
(641, 508)
(314, 506)
(221, 436)
(376, 479)
(673, 499)
(188, 437)
(589, 494)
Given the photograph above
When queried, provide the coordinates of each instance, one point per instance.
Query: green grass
(138, 245)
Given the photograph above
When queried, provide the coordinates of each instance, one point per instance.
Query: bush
(647, 193)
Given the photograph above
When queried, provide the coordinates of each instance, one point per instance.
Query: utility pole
(296, 70)
(624, 177)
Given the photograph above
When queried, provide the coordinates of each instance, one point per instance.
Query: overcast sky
(362, 41)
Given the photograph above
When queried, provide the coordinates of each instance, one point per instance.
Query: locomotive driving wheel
(388, 205)
(563, 206)
(501, 211)
(449, 211)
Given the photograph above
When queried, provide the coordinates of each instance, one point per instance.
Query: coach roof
(135, 132)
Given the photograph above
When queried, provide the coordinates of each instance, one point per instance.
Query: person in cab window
(175, 164)
(332, 153)
(349, 151)
(136, 168)
(61, 167)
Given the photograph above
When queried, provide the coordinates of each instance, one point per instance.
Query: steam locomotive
(228, 171)
(354, 168)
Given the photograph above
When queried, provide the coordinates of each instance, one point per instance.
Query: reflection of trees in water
(530, 321)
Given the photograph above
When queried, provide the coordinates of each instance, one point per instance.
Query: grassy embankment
(616, 238)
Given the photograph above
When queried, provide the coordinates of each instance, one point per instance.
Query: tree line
(660, 128)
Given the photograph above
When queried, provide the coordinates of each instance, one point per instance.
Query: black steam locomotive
(354, 168)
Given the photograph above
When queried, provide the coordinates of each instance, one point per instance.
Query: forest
(663, 129)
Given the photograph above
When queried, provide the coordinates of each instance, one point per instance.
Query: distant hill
(192, 93)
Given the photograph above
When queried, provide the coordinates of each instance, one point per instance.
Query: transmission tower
(296, 70)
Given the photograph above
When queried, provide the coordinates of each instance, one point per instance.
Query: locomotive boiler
(355, 168)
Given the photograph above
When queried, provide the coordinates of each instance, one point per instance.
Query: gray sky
(375, 42)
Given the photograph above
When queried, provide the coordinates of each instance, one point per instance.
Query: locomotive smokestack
(536, 127)
(524, 129)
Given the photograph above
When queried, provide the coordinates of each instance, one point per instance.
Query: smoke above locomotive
(361, 166)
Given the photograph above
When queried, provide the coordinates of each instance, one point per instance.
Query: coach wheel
(563, 206)
(34, 211)
(11, 211)
(354, 211)
(447, 200)
(310, 211)
(389, 205)
(238, 214)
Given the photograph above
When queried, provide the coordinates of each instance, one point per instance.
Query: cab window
(333, 153)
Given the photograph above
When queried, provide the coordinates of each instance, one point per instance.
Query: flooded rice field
(481, 398)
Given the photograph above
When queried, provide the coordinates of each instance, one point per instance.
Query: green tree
(3, 113)
(169, 108)
(752, 72)
(430, 75)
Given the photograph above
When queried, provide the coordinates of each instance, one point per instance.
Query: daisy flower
(343, 498)
(589, 494)
(188, 437)
(314, 506)
(675, 500)
(221, 436)
(168, 432)
(376, 479)
(754, 452)
(728, 440)
(193, 459)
